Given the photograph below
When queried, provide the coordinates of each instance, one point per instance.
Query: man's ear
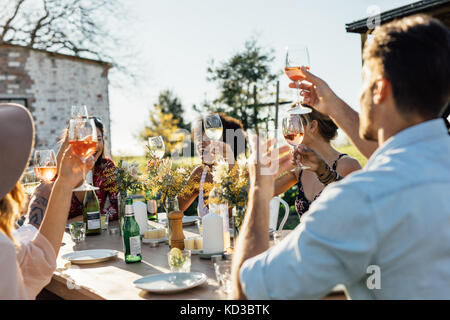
(382, 90)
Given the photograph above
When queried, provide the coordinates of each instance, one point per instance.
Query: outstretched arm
(318, 95)
(254, 237)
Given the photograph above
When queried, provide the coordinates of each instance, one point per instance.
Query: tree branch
(7, 25)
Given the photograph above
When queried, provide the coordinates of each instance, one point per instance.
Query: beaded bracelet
(329, 176)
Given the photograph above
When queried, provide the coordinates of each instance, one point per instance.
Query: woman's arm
(38, 204)
(285, 182)
(184, 201)
(54, 222)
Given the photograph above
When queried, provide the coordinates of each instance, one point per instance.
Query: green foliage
(236, 79)
(169, 103)
(165, 125)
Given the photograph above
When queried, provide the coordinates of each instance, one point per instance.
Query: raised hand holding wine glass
(83, 140)
(293, 132)
(297, 56)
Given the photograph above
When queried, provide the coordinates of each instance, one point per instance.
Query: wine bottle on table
(131, 235)
(91, 210)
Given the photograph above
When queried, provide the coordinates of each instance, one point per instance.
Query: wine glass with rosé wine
(45, 164)
(296, 57)
(293, 131)
(83, 139)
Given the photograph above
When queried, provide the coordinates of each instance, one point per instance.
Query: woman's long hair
(10, 207)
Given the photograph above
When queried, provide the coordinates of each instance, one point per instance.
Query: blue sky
(175, 40)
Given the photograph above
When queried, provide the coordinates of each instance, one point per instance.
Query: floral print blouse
(107, 207)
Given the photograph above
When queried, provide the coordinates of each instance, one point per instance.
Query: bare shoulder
(347, 165)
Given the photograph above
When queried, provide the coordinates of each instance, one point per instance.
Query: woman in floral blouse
(108, 200)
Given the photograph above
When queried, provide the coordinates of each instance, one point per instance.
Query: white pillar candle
(140, 213)
(212, 233)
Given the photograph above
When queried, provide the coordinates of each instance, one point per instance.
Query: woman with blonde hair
(26, 268)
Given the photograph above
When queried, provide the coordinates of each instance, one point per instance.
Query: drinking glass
(79, 112)
(223, 275)
(83, 139)
(104, 220)
(213, 126)
(30, 181)
(296, 57)
(199, 226)
(180, 263)
(78, 231)
(45, 164)
(293, 131)
(156, 147)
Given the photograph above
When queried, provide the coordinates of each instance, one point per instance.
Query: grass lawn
(353, 152)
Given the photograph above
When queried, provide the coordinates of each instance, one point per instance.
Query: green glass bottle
(91, 211)
(131, 235)
(152, 208)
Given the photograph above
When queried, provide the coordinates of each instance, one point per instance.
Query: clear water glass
(77, 231)
(180, 263)
(223, 275)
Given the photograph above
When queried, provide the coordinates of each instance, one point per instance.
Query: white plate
(90, 256)
(187, 220)
(159, 240)
(171, 282)
(196, 251)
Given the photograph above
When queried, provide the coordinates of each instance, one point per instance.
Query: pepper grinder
(176, 234)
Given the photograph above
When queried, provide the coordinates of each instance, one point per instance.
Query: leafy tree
(237, 77)
(165, 125)
(169, 103)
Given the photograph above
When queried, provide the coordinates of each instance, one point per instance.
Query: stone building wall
(49, 84)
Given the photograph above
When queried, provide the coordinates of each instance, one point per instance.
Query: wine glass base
(299, 109)
(85, 187)
(302, 167)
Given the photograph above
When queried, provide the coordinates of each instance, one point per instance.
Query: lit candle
(212, 233)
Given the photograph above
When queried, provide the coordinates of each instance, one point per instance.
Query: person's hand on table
(317, 93)
(307, 157)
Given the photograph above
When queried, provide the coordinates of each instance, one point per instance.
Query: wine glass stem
(84, 171)
(297, 84)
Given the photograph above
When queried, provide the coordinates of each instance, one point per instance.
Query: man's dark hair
(413, 53)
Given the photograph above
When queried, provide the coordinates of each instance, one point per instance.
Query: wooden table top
(113, 279)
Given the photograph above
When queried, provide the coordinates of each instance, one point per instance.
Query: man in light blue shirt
(384, 231)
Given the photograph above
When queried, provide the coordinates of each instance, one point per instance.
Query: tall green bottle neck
(129, 211)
